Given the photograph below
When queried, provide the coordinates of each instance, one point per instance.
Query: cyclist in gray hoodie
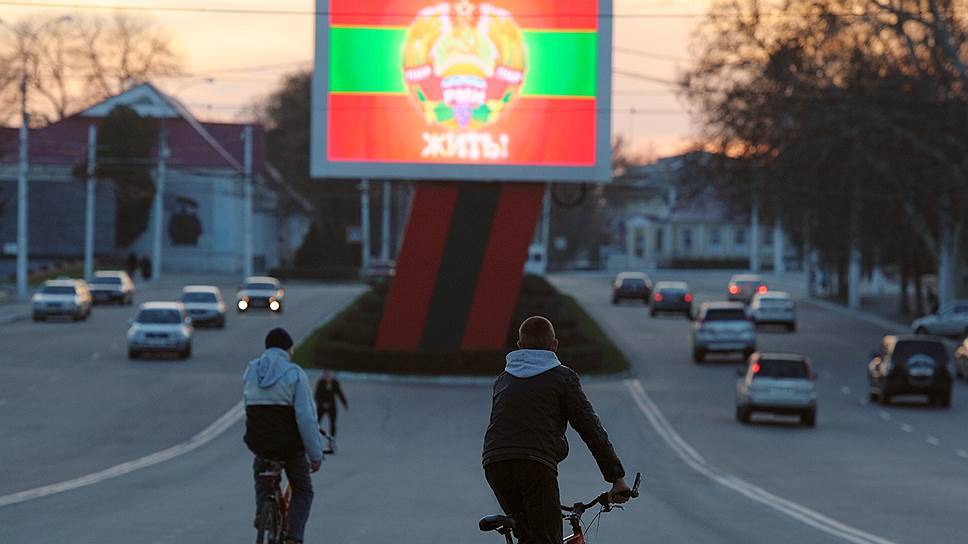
(280, 424)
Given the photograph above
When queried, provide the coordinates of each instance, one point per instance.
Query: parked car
(112, 286)
(774, 308)
(204, 305)
(742, 287)
(777, 383)
(952, 320)
(260, 292)
(160, 327)
(631, 285)
(911, 365)
(722, 327)
(380, 272)
(62, 298)
(671, 296)
(961, 359)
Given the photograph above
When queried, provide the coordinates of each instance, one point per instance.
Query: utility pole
(779, 267)
(364, 226)
(22, 195)
(546, 226)
(158, 209)
(755, 236)
(89, 208)
(247, 204)
(385, 223)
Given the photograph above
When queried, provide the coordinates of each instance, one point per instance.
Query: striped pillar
(460, 267)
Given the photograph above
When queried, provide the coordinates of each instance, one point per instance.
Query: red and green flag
(466, 81)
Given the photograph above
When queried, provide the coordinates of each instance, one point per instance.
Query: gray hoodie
(273, 380)
(526, 363)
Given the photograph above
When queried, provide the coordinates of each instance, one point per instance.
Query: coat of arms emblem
(464, 63)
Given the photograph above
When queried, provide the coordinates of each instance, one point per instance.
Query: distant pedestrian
(932, 300)
(131, 265)
(146, 268)
(327, 391)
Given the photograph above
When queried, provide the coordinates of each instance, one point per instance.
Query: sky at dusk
(247, 54)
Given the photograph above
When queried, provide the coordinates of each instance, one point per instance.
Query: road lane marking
(933, 441)
(845, 390)
(96, 355)
(205, 436)
(885, 416)
(962, 453)
(694, 460)
(906, 428)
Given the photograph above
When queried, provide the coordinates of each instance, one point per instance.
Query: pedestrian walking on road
(279, 425)
(328, 390)
(131, 265)
(533, 402)
(146, 268)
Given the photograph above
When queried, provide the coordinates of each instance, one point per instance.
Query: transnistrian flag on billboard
(486, 82)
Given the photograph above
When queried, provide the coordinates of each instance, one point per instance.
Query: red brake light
(734, 289)
(761, 289)
(756, 368)
(687, 297)
(658, 297)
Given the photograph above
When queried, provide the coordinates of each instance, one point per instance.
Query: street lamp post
(24, 142)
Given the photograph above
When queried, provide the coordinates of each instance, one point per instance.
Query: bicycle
(504, 525)
(273, 515)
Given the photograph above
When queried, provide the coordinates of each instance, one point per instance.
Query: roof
(200, 289)
(623, 275)
(723, 305)
(191, 143)
(782, 356)
(671, 285)
(746, 277)
(63, 282)
(161, 305)
(773, 294)
(261, 279)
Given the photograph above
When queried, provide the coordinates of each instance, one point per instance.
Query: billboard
(509, 90)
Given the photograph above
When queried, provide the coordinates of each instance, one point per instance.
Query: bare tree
(74, 63)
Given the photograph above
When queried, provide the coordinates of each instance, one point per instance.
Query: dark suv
(631, 285)
(911, 365)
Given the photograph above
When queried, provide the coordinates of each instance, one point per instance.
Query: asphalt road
(408, 461)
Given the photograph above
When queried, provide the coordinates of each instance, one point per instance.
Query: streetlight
(22, 171)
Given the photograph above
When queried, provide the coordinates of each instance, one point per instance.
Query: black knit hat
(278, 338)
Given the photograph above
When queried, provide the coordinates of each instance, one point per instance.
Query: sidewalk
(12, 310)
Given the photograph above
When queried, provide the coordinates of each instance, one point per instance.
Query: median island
(346, 342)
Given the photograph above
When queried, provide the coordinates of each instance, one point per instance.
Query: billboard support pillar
(364, 226)
(385, 222)
(89, 203)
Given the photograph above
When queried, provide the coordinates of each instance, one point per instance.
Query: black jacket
(529, 417)
(326, 395)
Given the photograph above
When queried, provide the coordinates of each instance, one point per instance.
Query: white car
(64, 298)
(260, 292)
(204, 305)
(952, 320)
(722, 327)
(160, 327)
(112, 286)
(777, 383)
(774, 308)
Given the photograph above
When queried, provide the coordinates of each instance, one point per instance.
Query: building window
(740, 236)
(687, 239)
(715, 238)
(659, 239)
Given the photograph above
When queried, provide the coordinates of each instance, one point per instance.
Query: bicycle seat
(496, 522)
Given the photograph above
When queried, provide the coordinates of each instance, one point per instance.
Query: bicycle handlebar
(603, 499)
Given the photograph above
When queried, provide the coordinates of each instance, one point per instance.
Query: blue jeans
(297, 472)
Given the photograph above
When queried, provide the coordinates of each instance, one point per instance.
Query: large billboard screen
(462, 90)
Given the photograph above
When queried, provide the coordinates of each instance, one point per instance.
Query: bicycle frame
(279, 499)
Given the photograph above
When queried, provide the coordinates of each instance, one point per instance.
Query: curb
(892, 326)
(12, 318)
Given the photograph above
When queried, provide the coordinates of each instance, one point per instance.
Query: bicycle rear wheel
(269, 530)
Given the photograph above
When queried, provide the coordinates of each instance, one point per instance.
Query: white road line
(934, 441)
(962, 453)
(694, 460)
(906, 428)
(207, 434)
(885, 416)
(845, 390)
(96, 355)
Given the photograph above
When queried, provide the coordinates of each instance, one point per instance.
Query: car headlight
(243, 304)
(274, 305)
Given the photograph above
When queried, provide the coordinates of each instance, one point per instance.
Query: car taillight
(761, 289)
(658, 297)
(806, 363)
(687, 297)
(733, 289)
(756, 368)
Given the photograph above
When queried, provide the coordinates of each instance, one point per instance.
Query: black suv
(633, 285)
(911, 365)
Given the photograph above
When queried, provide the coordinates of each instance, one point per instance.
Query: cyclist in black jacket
(534, 400)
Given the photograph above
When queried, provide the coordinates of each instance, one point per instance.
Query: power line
(644, 77)
(649, 54)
